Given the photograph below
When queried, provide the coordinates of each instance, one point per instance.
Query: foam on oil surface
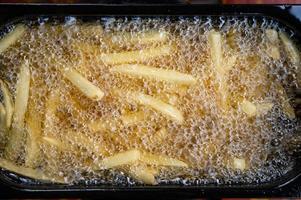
(208, 140)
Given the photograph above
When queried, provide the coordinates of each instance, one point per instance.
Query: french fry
(86, 87)
(119, 159)
(3, 127)
(28, 172)
(149, 37)
(166, 109)
(22, 95)
(239, 163)
(133, 118)
(252, 109)
(144, 71)
(15, 141)
(34, 131)
(160, 135)
(215, 44)
(10, 38)
(8, 104)
(152, 159)
(58, 144)
(136, 56)
(143, 174)
(272, 44)
(290, 48)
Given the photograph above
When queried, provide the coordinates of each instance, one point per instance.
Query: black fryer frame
(10, 12)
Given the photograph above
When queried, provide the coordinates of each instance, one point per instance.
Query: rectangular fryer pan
(287, 16)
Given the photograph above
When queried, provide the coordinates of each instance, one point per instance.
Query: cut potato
(215, 44)
(34, 132)
(143, 174)
(10, 38)
(28, 172)
(148, 37)
(3, 126)
(263, 108)
(119, 159)
(239, 163)
(133, 118)
(144, 71)
(249, 108)
(136, 56)
(8, 104)
(152, 159)
(58, 144)
(22, 95)
(272, 44)
(16, 139)
(86, 87)
(166, 109)
(290, 49)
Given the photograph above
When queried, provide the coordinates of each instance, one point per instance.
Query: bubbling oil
(208, 139)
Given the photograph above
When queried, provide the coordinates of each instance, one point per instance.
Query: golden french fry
(239, 163)
(290, 48)
(22, 95)
(34, 132)
(149, 37)
(15, 141)
(8, 103)
(86, 87)
(133, 118)
(167, 109)
(272, 44)
(152, 159)
(143, 174)
(136, 56)
(10, 38)
(119, 159)
(29, 172)
(144, 71)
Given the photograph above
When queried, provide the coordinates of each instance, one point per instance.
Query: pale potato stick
(215, 45)
(119, 159)
(34, 131)
(133, 118)
(136, 56)
(86, 87)
(58, 144)
(249, 108)
(252, 109)
(142, 174)
(8, 103)
(144, 71)
(52, 103)
(152, 159)
(15, 141)
(287, 109)
(10, 38)
(22, 95)
(28, 172)
(167, 109)
(2, 118)
(290, 48)
(239, 163)
(149, 37)
(272, 44)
